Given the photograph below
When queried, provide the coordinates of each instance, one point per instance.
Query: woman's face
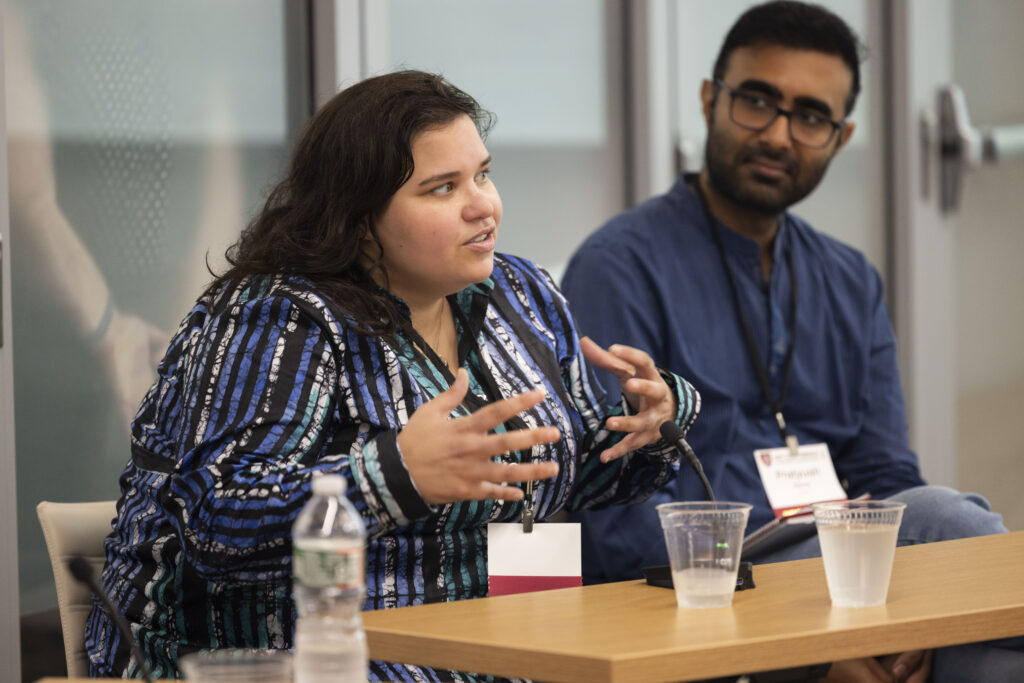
(439, 229)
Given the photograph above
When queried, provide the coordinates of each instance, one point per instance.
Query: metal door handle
(962, 146)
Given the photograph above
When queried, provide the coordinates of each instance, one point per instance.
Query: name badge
(796, 481)
(548, 557)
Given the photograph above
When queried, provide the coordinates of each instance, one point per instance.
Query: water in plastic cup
(858, 542)
(238, 665)
(704, 542)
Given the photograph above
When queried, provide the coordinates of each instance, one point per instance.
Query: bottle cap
(328, 485)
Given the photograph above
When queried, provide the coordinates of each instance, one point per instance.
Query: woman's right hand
(450, 459)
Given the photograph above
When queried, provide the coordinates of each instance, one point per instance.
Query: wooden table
(941, 594)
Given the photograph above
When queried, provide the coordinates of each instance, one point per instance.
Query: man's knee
(939, 513)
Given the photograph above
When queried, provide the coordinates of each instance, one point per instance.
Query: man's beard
(770, 196)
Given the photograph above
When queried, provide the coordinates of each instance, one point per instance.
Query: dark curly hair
(353, 156)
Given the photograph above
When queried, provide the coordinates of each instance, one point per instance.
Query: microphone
(673, 434)
(81, 569)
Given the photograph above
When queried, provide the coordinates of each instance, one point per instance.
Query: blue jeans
(937, 513)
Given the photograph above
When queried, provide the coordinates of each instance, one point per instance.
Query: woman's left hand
(643, 388)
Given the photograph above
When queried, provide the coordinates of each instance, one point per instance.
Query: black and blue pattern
(265, 384)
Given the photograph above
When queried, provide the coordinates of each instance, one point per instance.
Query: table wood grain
(941, 594)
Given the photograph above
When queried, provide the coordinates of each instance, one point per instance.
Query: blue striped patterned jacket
(265, 384)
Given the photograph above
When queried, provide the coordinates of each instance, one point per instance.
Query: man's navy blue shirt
(652, 278)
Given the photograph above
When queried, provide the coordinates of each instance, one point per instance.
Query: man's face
(766, 171)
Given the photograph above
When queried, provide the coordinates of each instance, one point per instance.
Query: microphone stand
(84, 574)
(673, 434)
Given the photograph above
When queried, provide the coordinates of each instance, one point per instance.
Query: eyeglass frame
(779, 111)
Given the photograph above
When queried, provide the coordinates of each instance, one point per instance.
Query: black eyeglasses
(755, 111)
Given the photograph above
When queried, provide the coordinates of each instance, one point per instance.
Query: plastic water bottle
(328, 585)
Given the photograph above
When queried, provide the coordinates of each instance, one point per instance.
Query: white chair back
(75, 529)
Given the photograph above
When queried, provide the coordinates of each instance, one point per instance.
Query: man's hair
(795, 25)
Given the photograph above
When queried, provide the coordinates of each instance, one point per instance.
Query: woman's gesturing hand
(644, 389)
(450, 459)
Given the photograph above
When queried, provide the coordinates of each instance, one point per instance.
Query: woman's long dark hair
(351, 159)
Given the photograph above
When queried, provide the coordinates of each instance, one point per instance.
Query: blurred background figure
(138, 139)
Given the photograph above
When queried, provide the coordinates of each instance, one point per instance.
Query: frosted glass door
(989, 309)
(141, 134)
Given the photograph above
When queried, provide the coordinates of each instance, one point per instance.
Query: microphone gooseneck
(81, 570)
(673, 434)
(84, 574)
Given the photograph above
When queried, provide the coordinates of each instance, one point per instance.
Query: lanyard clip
(527, 520)
(528, 508)
(791, 442)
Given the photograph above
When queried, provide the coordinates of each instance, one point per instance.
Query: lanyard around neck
(774, 403)
(467, 343)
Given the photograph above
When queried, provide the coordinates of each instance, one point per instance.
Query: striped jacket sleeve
(635, 476)
(263, 411)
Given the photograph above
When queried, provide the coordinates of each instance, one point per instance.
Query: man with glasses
(782, 329)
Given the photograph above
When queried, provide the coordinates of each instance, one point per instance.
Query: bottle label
(326, 567)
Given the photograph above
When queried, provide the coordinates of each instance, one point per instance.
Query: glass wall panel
(850, 204)
(552, 73)
(142, 134)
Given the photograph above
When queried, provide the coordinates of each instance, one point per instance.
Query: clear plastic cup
(704, 542)
(858, 543)
(238, 665)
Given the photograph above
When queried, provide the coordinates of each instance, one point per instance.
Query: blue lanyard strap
(774, 403)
